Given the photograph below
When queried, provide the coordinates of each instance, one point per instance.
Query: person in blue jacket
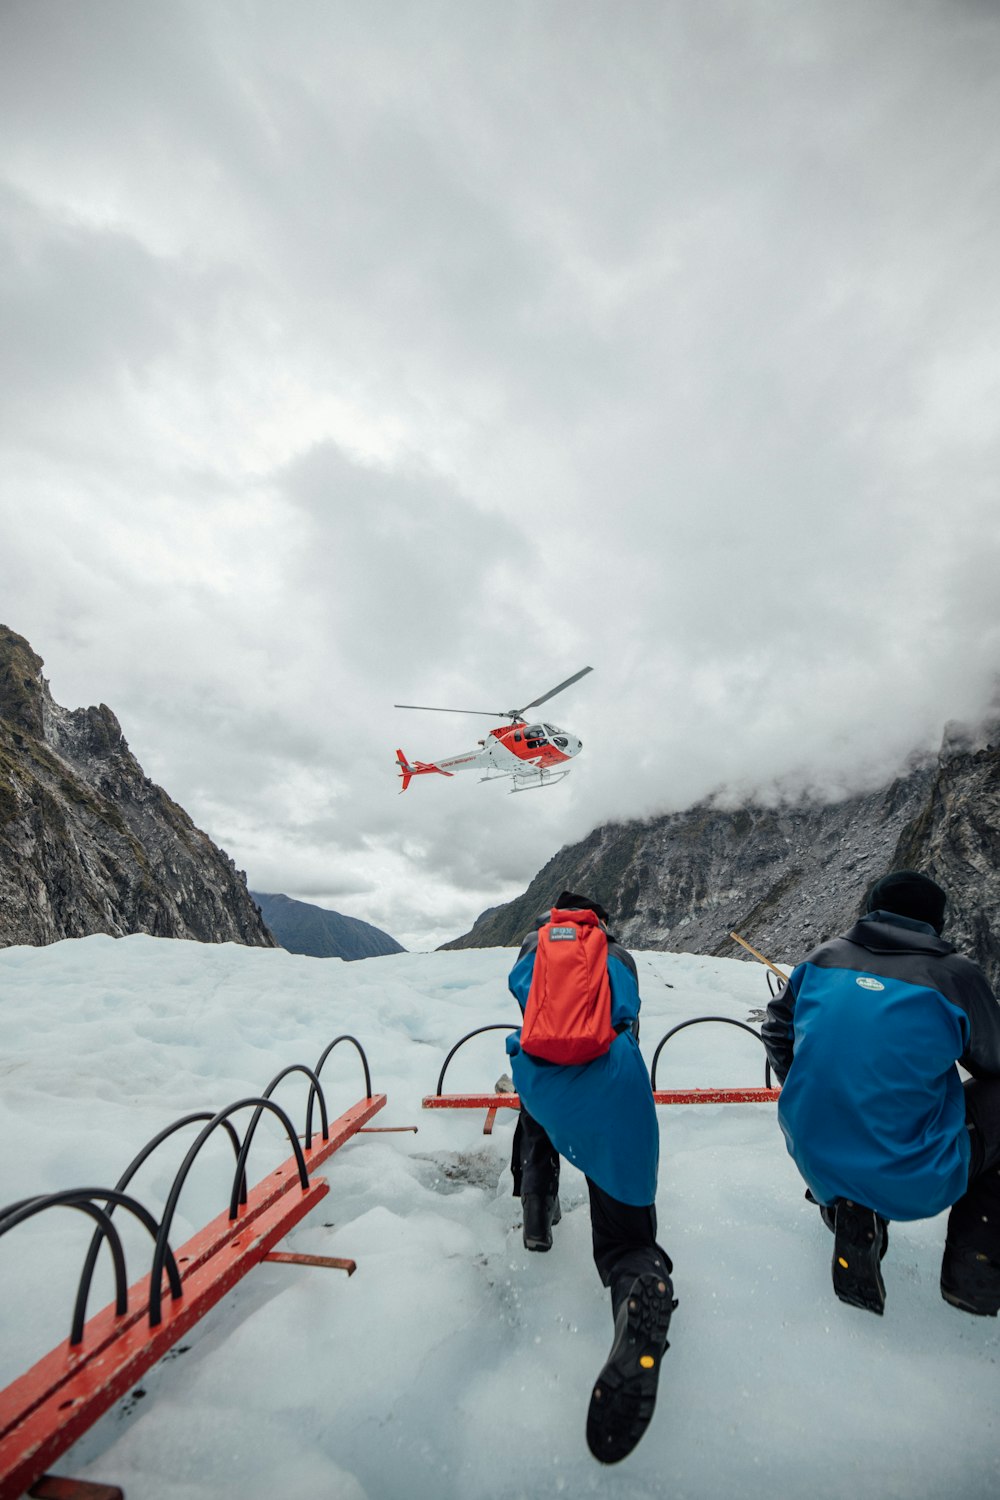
(600, 1116)
(866, 1038)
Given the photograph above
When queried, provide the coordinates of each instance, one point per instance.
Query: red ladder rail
(492, 1102)
(715, 1096)
(47, 1409)
(44, 1411)
(349, 1123)
(52, 1487)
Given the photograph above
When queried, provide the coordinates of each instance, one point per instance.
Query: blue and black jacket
(599, 1115)
(864, 1038)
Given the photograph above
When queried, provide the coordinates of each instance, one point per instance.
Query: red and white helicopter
(532, 754)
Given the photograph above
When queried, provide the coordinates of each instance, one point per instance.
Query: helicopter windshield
(558, 736)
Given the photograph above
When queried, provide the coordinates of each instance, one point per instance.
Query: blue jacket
(864, 1038)
(599, 1115)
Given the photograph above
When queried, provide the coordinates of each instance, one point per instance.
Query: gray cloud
(427, 354)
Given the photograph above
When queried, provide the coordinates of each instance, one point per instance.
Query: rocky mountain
(787, 876)
(302, 928)
(87, 842)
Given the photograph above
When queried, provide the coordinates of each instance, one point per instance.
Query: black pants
(624, 1235)
(974, 1221)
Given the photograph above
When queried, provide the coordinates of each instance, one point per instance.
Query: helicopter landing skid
(537, 779)
(545, 778)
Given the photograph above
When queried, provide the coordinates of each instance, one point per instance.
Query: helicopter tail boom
(421, 768)
(447, 766)
(424, 768)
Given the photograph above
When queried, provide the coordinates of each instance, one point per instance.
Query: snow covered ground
(454, 1364)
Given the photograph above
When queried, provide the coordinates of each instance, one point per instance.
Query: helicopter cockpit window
(560, 741)
(535, 736)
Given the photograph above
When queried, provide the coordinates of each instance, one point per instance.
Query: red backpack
(567, 1015)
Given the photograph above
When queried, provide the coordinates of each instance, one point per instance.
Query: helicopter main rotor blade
(536, 702)
(481, 712)
(508, 713)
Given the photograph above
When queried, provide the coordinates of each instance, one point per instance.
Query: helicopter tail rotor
(405, 770)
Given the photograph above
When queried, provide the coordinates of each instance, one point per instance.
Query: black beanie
(569, 902)
(909, 894)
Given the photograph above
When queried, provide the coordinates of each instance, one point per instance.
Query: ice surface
(454, 1365)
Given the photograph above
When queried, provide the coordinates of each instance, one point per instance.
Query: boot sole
(980, 1285)
(955, 1299)
(857, 1277)
(624, 1394)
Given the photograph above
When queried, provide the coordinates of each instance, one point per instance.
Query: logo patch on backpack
(567, 1015)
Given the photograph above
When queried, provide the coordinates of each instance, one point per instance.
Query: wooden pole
(759, 956)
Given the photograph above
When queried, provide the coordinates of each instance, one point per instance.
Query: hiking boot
(624, 1394)
(828, 1213)
(859, 1237)
(971, 1281)
(539, 1213)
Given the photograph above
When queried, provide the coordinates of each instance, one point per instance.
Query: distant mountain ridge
(88, 843)
(319, 933)
(785, 877)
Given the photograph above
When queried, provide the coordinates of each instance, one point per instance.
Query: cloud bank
(362, 356)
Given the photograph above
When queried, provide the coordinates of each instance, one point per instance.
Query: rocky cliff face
(89, 844)
(786, 877)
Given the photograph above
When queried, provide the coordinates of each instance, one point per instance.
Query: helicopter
(533, 755)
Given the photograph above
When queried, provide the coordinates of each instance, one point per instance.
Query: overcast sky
(426, 351)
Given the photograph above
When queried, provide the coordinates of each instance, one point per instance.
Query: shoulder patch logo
(869, 984)
(562, 934)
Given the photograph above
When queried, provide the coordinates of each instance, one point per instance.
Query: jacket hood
(884, 932)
